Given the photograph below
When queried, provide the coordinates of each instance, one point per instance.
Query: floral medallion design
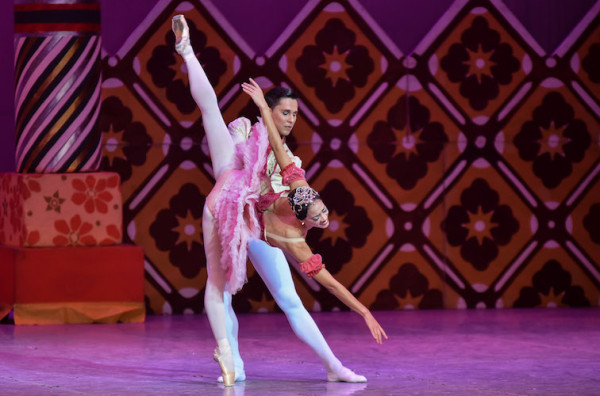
(335, 65)
(409, 288)
(178, 230)
(407, 147)
(446, 155)
(348, 229)
(480, 225)
(167, 67)
(125, 142)
(551, 287)
(553, 140)
(480, 63)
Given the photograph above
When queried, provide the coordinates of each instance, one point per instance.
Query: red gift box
(73, 285)
(70, 209)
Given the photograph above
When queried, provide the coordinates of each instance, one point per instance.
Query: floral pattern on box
(71, 209)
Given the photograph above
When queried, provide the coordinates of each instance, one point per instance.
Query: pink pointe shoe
(182, 34)
(223, 358)
(240, 376)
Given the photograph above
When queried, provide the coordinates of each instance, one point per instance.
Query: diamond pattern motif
(479, 64)
(465, 175)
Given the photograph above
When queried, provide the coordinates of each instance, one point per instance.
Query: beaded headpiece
(301, 198)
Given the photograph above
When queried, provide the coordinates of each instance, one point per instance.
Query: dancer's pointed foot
(344, 374)
(182, 34)
(240, 376)
(224, 357)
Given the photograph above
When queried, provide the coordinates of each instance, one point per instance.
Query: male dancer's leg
(273, 268)
(232, 327)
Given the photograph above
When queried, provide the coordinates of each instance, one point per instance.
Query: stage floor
(474, 352)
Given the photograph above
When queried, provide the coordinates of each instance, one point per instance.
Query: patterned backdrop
(462, 175)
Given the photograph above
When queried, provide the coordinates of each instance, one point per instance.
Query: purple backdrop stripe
(385, 39)
(228, 27)
(582, 258)
(291, 27)
(142, 28)
(426, 159)
(403, 20)
(440, 26)
(586, 97)
(518, 26)
(182, 8)
(575, 34)
(582, 187)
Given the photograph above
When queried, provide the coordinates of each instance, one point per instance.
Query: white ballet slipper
(344, 375)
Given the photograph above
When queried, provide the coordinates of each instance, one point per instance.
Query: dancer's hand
(376, 330)
(254, 91)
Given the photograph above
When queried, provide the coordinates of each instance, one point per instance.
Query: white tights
(220, 143)
(273, 268)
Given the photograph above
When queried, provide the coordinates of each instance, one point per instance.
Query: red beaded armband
(312, 266)
(291, 173)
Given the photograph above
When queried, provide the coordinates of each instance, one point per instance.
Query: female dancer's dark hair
(300, 200)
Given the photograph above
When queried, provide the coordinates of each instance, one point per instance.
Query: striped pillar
(57, 85)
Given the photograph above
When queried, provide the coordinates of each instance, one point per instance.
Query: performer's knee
(212, 293)
(288, 300)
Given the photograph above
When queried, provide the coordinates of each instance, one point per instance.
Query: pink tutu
(236, 203)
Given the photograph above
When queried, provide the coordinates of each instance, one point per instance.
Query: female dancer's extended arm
(301, 252)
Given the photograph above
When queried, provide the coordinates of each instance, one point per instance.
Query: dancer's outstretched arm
(302, 253)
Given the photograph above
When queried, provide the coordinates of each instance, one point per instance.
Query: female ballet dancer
(287, 219)
(269, 262)
(226, 268)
